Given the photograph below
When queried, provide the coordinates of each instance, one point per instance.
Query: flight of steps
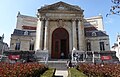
(58, 64)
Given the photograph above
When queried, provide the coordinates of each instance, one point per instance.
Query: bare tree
(115, 8)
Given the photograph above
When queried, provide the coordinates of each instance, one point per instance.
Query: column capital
(74, 19)
(47, 19)
(79, 19)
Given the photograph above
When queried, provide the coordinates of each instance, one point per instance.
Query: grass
(73, 72)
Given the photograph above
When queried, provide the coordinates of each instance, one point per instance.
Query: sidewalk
(61, 73)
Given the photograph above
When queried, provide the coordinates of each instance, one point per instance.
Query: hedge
(73, 72)
(49, 73)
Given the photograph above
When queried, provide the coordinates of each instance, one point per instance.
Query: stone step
(59, 65)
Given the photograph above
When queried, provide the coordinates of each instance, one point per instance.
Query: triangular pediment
(60, 6)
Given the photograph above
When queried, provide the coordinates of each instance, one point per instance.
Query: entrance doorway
(60, 44)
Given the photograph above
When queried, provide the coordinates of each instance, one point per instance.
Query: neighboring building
(3, 45)
(116, 47)
(59, 28)
(23, 37)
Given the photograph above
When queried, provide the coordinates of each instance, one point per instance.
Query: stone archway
(60, 43)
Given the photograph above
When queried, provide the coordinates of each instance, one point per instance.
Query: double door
(60, 44)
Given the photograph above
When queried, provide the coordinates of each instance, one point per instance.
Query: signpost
(106, 57)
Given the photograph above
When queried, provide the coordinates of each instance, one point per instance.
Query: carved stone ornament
(60, 23)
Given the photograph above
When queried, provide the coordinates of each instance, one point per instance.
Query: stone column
(80, 35)
(46, 35)
(74, 34)
(39, 31)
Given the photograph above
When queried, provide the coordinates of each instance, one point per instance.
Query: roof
(97, 34)
(26, 16)
(60, 4)
(22, 32)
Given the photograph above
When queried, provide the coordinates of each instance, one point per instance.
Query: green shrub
(73, 72)
(49, 73)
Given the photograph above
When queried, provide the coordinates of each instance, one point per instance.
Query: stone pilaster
(74, 34)
(46, 35)
(39, 32)
(80, 35)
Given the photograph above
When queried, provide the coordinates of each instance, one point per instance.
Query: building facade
(116, 47)
(3, 45)
(59, 29)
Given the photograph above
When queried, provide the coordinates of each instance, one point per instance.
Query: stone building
(3, 45)
(116, 47)
(58, 29)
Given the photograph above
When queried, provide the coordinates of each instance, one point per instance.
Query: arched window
(94, 34)
(26, 33)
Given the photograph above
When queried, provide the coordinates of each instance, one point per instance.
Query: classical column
(74, 34)
(39, 31)
(80, 35)
(46, 35)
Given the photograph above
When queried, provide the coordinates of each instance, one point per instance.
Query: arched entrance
(60, 44)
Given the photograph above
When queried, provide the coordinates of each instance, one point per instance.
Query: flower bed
(21, 70)
(98, 70)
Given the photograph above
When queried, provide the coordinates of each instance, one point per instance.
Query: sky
(10, 8)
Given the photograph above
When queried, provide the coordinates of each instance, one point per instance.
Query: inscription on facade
(61, 15)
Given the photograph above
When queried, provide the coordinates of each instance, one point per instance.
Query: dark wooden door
(60, 43)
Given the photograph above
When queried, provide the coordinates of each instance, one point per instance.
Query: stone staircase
(59, 64)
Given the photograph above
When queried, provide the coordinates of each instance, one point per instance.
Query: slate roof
(22, 32)
(98, 34)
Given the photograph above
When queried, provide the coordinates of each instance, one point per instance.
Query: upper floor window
(26, 33)
(102, 47)
(17, 47)
(31, 46)
(88, 46)
(93, 33)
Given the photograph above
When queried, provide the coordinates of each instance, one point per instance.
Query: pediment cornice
(60, 7)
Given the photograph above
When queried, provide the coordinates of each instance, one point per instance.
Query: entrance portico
(60, 30)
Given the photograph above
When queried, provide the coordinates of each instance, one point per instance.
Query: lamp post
(93, 59)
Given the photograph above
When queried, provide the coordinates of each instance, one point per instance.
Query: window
(88, 46)
(93, 33)
(26, 33)
(31, 46)
(17, 47)
(102, 48)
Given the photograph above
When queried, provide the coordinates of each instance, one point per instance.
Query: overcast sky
(10, 8)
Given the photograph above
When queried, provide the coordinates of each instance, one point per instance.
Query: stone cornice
(55, 7)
